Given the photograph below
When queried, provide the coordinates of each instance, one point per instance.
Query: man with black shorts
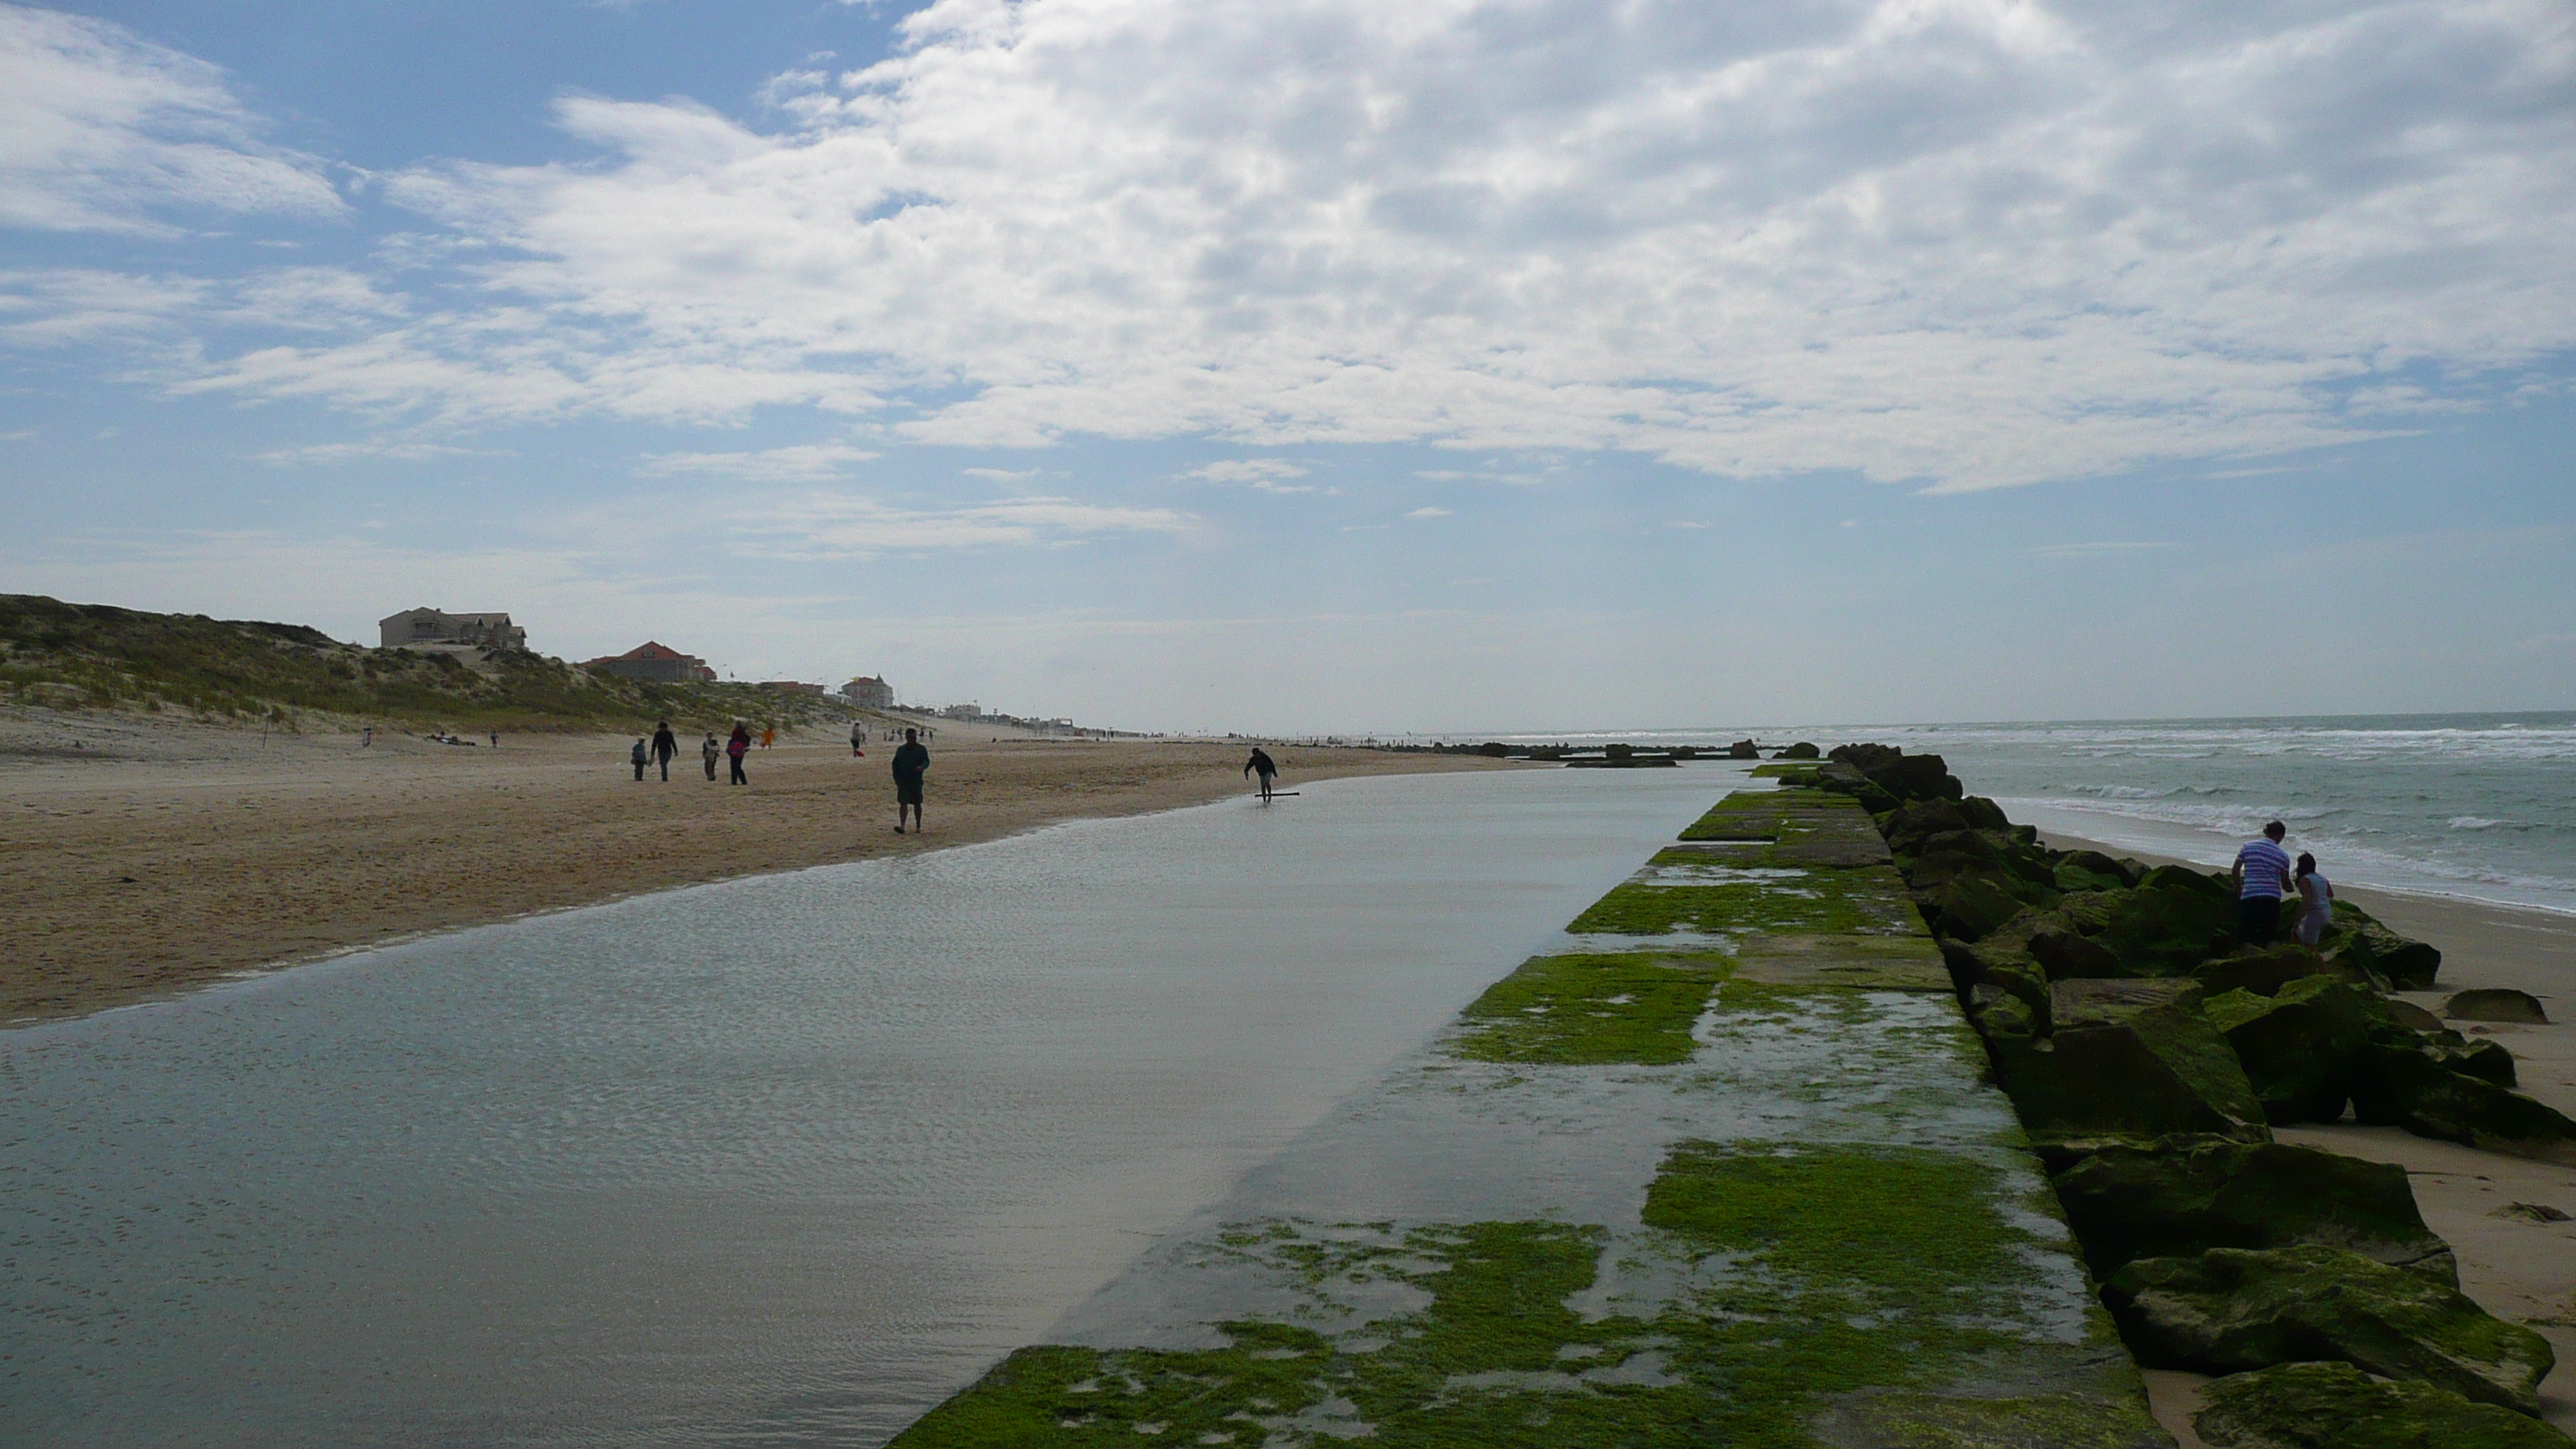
(2262, 874)
(911, 762)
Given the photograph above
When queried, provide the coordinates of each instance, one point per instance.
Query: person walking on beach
(2262, 876)
(639, 757)
(2316, 897)
(710, 751)
(665, 745)
(858, 738)
(737, 746)
(1262, 764)
(768, 736)
(911, 762)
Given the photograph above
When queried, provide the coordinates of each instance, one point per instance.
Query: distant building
(962, 711)
(436, 626)
(869, 692)
(654, 661)
(792, 686)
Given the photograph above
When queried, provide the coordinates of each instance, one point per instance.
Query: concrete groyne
(1724, 1168)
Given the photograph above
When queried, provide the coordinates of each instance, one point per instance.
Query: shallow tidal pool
(784, 1160)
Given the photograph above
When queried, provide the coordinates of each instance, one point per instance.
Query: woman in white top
(2317, 896)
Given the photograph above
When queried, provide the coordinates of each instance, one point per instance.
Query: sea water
(2473, 806)
(779, 1161)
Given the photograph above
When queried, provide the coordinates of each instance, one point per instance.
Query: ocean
(2473, 806)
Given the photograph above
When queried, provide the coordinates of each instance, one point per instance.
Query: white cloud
(1974, 242)
(1001, 475)
(1429, 513)
(803, 462)
(101, 130)
(1262, 475)
(823, 526)
(335, 454)
(2094, 550)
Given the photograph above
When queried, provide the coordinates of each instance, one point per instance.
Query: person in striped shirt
(2262, 875)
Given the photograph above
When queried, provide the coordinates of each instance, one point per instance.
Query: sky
(1327, 365)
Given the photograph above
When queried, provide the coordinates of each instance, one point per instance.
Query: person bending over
(1262, 765)
(2316, 897)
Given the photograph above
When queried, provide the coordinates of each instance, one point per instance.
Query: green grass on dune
(91, 656)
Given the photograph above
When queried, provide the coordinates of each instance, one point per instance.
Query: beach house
(654, 661)
(436, 626)
(869, 692)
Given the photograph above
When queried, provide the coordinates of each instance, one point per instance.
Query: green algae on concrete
(1860, 963)
(1859, 902)
(1620, 1007)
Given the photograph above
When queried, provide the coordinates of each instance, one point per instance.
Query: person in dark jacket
(665, 745)
(1263, 765)
(738, 746)
(911, 762)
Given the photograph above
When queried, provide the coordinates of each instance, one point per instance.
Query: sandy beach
(155, 857)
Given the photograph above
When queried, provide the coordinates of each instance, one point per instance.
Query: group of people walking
(2265, 876)
(911, 761)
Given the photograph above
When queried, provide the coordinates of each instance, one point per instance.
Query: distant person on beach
(2317, 897)
(640, 758)
(1261, 764)
(2262, 876)
(858, 738)
(366, 737)
(665, 745)
(710, 752)
(768, 736)
(737, 746)
(496, 741)
(911, 762)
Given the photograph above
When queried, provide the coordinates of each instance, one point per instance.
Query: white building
(436, 626)
(869, 692)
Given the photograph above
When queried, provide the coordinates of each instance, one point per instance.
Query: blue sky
(1323, 364)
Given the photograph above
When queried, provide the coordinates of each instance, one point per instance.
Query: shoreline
(185, 856)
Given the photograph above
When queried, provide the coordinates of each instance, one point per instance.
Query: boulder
(1920, 820)
(1998, 1013)
(1744, 750)
(2410, 1082)
(2410, 1016)
(2126, 1060)
(2091, 870)
(2300, 1046)
(2263, 969)
(2063, 953)
(2232, 1309)
(2488, 1003)
(1799, 751)
(2337, 1406)
(1902, 776)
(1970, 906)
(2182, 1197)
(2167, 925)
(2407, 965)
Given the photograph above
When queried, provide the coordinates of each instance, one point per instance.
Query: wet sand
(152, 857)
(2517, 1268)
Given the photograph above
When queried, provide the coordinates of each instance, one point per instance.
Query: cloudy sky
(1327, 364)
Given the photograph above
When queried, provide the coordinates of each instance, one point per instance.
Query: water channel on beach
(776, 1161)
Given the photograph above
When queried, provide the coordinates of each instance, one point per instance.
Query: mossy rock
(2180, 1198)
(2336, 1406)
(2495, 1003)
(2404, 963)
(2266, 969)
(2167, 926)
(2405, 1081)
(2127, 1059)
(1970, 907)
(2300, 1047)
(2232, 1309)
(1802, 750)
(2091, 870)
